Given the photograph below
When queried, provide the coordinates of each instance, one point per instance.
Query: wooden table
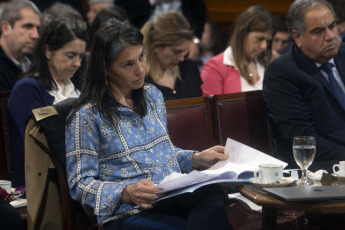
(270, 205)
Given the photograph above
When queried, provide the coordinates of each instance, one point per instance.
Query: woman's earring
(48, 58)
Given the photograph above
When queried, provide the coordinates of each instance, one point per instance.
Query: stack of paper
(19, 202)
(239, 166)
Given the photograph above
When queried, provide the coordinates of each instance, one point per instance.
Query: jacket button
(39, 174)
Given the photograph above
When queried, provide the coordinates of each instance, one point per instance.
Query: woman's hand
(194, 52)
(142, 194)
(208, 157)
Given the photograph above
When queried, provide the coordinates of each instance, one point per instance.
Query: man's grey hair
(11, 11)
(298, 10)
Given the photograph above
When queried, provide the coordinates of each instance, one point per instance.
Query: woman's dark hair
(108, 42)
(55, 35)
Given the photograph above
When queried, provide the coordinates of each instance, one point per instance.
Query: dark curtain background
(80, 5)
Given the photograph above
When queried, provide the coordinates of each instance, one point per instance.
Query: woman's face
(64, 63)
(255, 43)
(169, 56)
(127, 72)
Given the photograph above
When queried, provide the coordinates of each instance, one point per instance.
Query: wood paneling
(226, 11)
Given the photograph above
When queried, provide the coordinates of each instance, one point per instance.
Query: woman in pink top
(241, 66)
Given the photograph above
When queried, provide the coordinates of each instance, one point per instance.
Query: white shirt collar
(330, 61)
(245, 86)
(70, 91)
(228, 57)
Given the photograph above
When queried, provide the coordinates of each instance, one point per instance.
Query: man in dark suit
(20, 22)
(299, 96)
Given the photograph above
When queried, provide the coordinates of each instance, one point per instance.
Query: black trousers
(202, 209)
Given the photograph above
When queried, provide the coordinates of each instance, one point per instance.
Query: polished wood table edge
(272, 202)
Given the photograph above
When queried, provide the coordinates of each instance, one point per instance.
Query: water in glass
(304, 148)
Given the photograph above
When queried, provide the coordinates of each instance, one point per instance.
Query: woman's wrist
(195, 160)
(125, 196)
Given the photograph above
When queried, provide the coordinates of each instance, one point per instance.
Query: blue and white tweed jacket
(102, 159)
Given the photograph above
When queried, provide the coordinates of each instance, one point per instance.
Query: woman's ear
(47, 52)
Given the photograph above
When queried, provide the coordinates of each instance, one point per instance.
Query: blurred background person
(59, 10)
(339, 9)
(281, 37)
(213, 41)
(56, 60)
(241, 66)
(105, 14)
(166, 42)
(141, 11)
(19, 31)
(95, 6)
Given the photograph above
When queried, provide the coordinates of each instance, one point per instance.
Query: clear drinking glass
(304, 148)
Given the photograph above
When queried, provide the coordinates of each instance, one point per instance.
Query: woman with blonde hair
(241, 66)
(166, 42)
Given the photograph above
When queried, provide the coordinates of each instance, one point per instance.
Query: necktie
(334, 84)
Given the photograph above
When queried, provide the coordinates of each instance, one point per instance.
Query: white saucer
(338, 177)
(281, 183)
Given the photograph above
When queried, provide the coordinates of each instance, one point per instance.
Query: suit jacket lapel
(340, 64)
(310, 68)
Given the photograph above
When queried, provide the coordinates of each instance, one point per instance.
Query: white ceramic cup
(269, 173)
(340, 167)
(6, 184)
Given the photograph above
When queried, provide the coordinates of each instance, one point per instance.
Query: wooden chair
(240, 116)
(190, 123)
(6, 157)
(6, 162)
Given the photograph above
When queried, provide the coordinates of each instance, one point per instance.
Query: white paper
(250, 203)
(19, 202)
(242, 158)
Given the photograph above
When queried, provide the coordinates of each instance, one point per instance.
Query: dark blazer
(9, 72)
(188, 86)
(140, 10)
(27, 94)
(300, 101)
